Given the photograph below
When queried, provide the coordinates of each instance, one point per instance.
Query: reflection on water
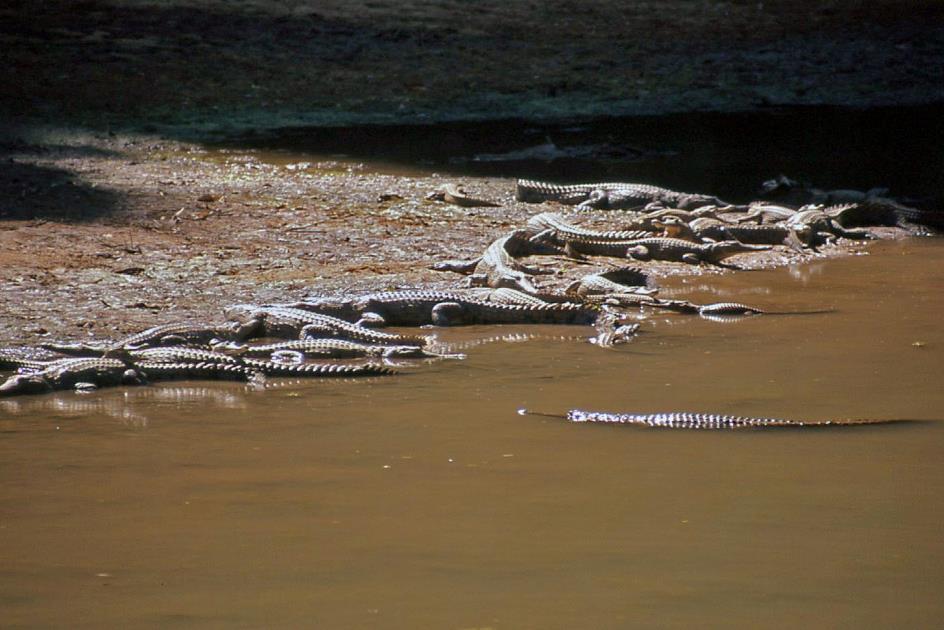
(424, 500)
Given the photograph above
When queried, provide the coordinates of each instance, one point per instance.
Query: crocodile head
(24, 384)
(242, 312)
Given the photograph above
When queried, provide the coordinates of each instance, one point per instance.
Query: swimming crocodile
(700, 421)
(610, 195)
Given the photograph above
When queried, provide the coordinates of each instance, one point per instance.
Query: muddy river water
(424, 500)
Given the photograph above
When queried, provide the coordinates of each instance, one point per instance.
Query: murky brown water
(424, 501)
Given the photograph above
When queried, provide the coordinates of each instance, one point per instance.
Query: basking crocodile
(677, 250)
(683, 420)
(551, 225)
(872, 207)
(177, 354)
(497, 266)
(196, 370)
(294, 323)
(610, 195)
(175, 333)
(813, 226)
(319, 370)
(324, 348)
(702, 230)
(454, 194)
(450, 308)
(766, 213)
(80, 373)
(620, 280)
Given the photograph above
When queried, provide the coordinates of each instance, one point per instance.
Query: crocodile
(610, 195)
(177, 354)
(882, 211)
(766, 213)
(619, 280)
(319, 370)
(813, 226)
(677, 250)
(175, 333)
(323, 348)
(792, 192)
(78, 373)
(704, 230)
(15, 358)
(196, 370)
(550, 225)
(703, 421)
(252, 369)
(294, 323)
(615, 336)
(450, 308)
(874, 206)
(497, 266)
(454, 194)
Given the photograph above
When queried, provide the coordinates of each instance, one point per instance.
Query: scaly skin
(198, 333)
(293, 323)
(454, 194)
(551, 225)
(699, 421)
(445, 308)
(316, 370)
(194, 370)
(176, 333)
(498, 267)
(179, 354)
(683, 251)
(610, 195)
(325, 349)
(767, 234)
(68, 373)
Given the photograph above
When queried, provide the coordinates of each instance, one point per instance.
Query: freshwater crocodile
(702, 230)
(294, 323)
(175, 333)
(550, 225)
(620, 280)
(454, 194)
(450, 308)
(497, 266)
(324, 348)
(813, 226)
(80, 373)
(873, 207)
(684, 420)
(610, 195)
(673, 249)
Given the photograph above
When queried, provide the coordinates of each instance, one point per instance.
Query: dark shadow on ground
(726, 154)
(29, 191)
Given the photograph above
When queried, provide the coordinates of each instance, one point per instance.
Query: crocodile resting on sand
(448, 308)
(610, 195)
(700, 421)
(169, 364)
